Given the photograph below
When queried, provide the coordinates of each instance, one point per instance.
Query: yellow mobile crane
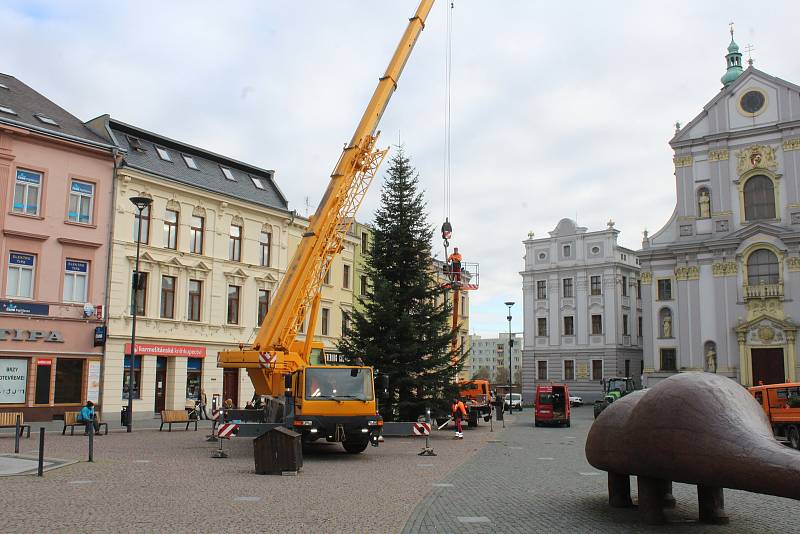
(319, 400)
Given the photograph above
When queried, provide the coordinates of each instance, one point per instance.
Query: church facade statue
(704, 204)
(666, 326)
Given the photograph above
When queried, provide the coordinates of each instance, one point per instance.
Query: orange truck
(781, 403)
(477, 399)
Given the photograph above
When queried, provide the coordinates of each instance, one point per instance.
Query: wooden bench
(9, 420)
(71, 420)
(176, 416)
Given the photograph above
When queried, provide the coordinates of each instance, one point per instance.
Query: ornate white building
(721, 280)
(582, 311)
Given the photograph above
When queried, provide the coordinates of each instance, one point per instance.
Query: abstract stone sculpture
(695, 428)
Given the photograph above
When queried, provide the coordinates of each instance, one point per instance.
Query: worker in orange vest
(459, 411)
(455, 264)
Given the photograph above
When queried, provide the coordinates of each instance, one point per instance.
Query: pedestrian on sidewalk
(88, 417)
(459, 412)
(203, 414)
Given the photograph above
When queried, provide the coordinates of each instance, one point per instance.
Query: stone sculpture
(695, 428)
(666, 326)
(704, 204)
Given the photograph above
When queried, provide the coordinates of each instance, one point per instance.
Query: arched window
(762, 266)
(665, 323)
(759, 198)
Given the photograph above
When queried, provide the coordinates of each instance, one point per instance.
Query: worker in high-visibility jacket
(454, 260)
(459, 411)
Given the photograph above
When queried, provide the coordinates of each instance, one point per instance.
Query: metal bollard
(17, 432)
(91, 442)
(41, 452)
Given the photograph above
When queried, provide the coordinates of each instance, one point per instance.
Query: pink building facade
(56, 191)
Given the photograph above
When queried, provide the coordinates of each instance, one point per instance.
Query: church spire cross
(733, 60)
(749, 49)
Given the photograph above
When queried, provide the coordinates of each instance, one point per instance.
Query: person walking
(459, 411)
(88, 417)
(202, 413)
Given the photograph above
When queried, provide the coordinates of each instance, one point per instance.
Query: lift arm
(349, 181)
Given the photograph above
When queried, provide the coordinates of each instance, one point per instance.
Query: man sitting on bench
(89, 418)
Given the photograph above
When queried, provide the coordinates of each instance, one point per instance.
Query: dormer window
(162, 153)
(47, 120)
(8, 110)
(190, 162)
(135, 143)
(228, 174)
(257, 182)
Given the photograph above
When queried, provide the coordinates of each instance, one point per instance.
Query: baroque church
(721, 280)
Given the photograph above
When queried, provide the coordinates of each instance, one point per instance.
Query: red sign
(44, 361)
(146, 349)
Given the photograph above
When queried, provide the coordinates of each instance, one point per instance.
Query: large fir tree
(402, 326)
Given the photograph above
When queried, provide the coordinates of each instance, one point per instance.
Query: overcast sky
(559, 109)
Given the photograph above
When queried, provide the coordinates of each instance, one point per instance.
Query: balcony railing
(763, 291)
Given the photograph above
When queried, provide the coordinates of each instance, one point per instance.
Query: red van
(551, 405)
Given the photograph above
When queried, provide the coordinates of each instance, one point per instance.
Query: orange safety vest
(454, 257)
(459, 407)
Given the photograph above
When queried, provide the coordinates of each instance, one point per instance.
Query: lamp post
(141, 204)
(510, 347)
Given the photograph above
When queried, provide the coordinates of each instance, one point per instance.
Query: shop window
(27, 188)
(168, 297)
(171, 229)
(569, 369)
(234, 293)
(43, 369)
(21, 270)
(145, 224)
(137, 377)
(69, 381)
(76, 278)
(196, 235)
(541, 289)
(14, 373)
(265, 243)
(195, 300)
(326, 315)
(194, 378)
(81, 202)
(597, 370)
(263, 305)
(235, 243)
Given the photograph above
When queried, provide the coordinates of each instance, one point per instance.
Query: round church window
(542, 255)
(752, 101)
(595, 250)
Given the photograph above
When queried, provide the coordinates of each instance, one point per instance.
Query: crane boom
(349, 182)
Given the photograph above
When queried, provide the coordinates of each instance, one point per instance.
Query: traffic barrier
(226, 430)
(422, 429)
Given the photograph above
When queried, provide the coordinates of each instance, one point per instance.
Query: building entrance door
(768, 366)
(161, 383)
(230, 385)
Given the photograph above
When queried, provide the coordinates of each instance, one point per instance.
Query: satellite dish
(88, 309)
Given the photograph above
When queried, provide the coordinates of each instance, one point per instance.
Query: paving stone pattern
(538, 480)
(150, 481)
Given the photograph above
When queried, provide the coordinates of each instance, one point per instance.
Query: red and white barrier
(422, 429)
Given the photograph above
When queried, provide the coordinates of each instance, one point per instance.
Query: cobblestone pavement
(538, 480)
(150, 481)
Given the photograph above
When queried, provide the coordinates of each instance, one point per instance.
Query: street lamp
(141, 203)
(510, 347)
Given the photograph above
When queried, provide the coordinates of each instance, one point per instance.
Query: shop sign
(80, 187)
(15, 258)
(93, 385)
(75, 266)
(13, 379)
(148, 349)
(24, 308)
(10, 334)
(44, 361)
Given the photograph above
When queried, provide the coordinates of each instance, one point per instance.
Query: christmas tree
(402, 327)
